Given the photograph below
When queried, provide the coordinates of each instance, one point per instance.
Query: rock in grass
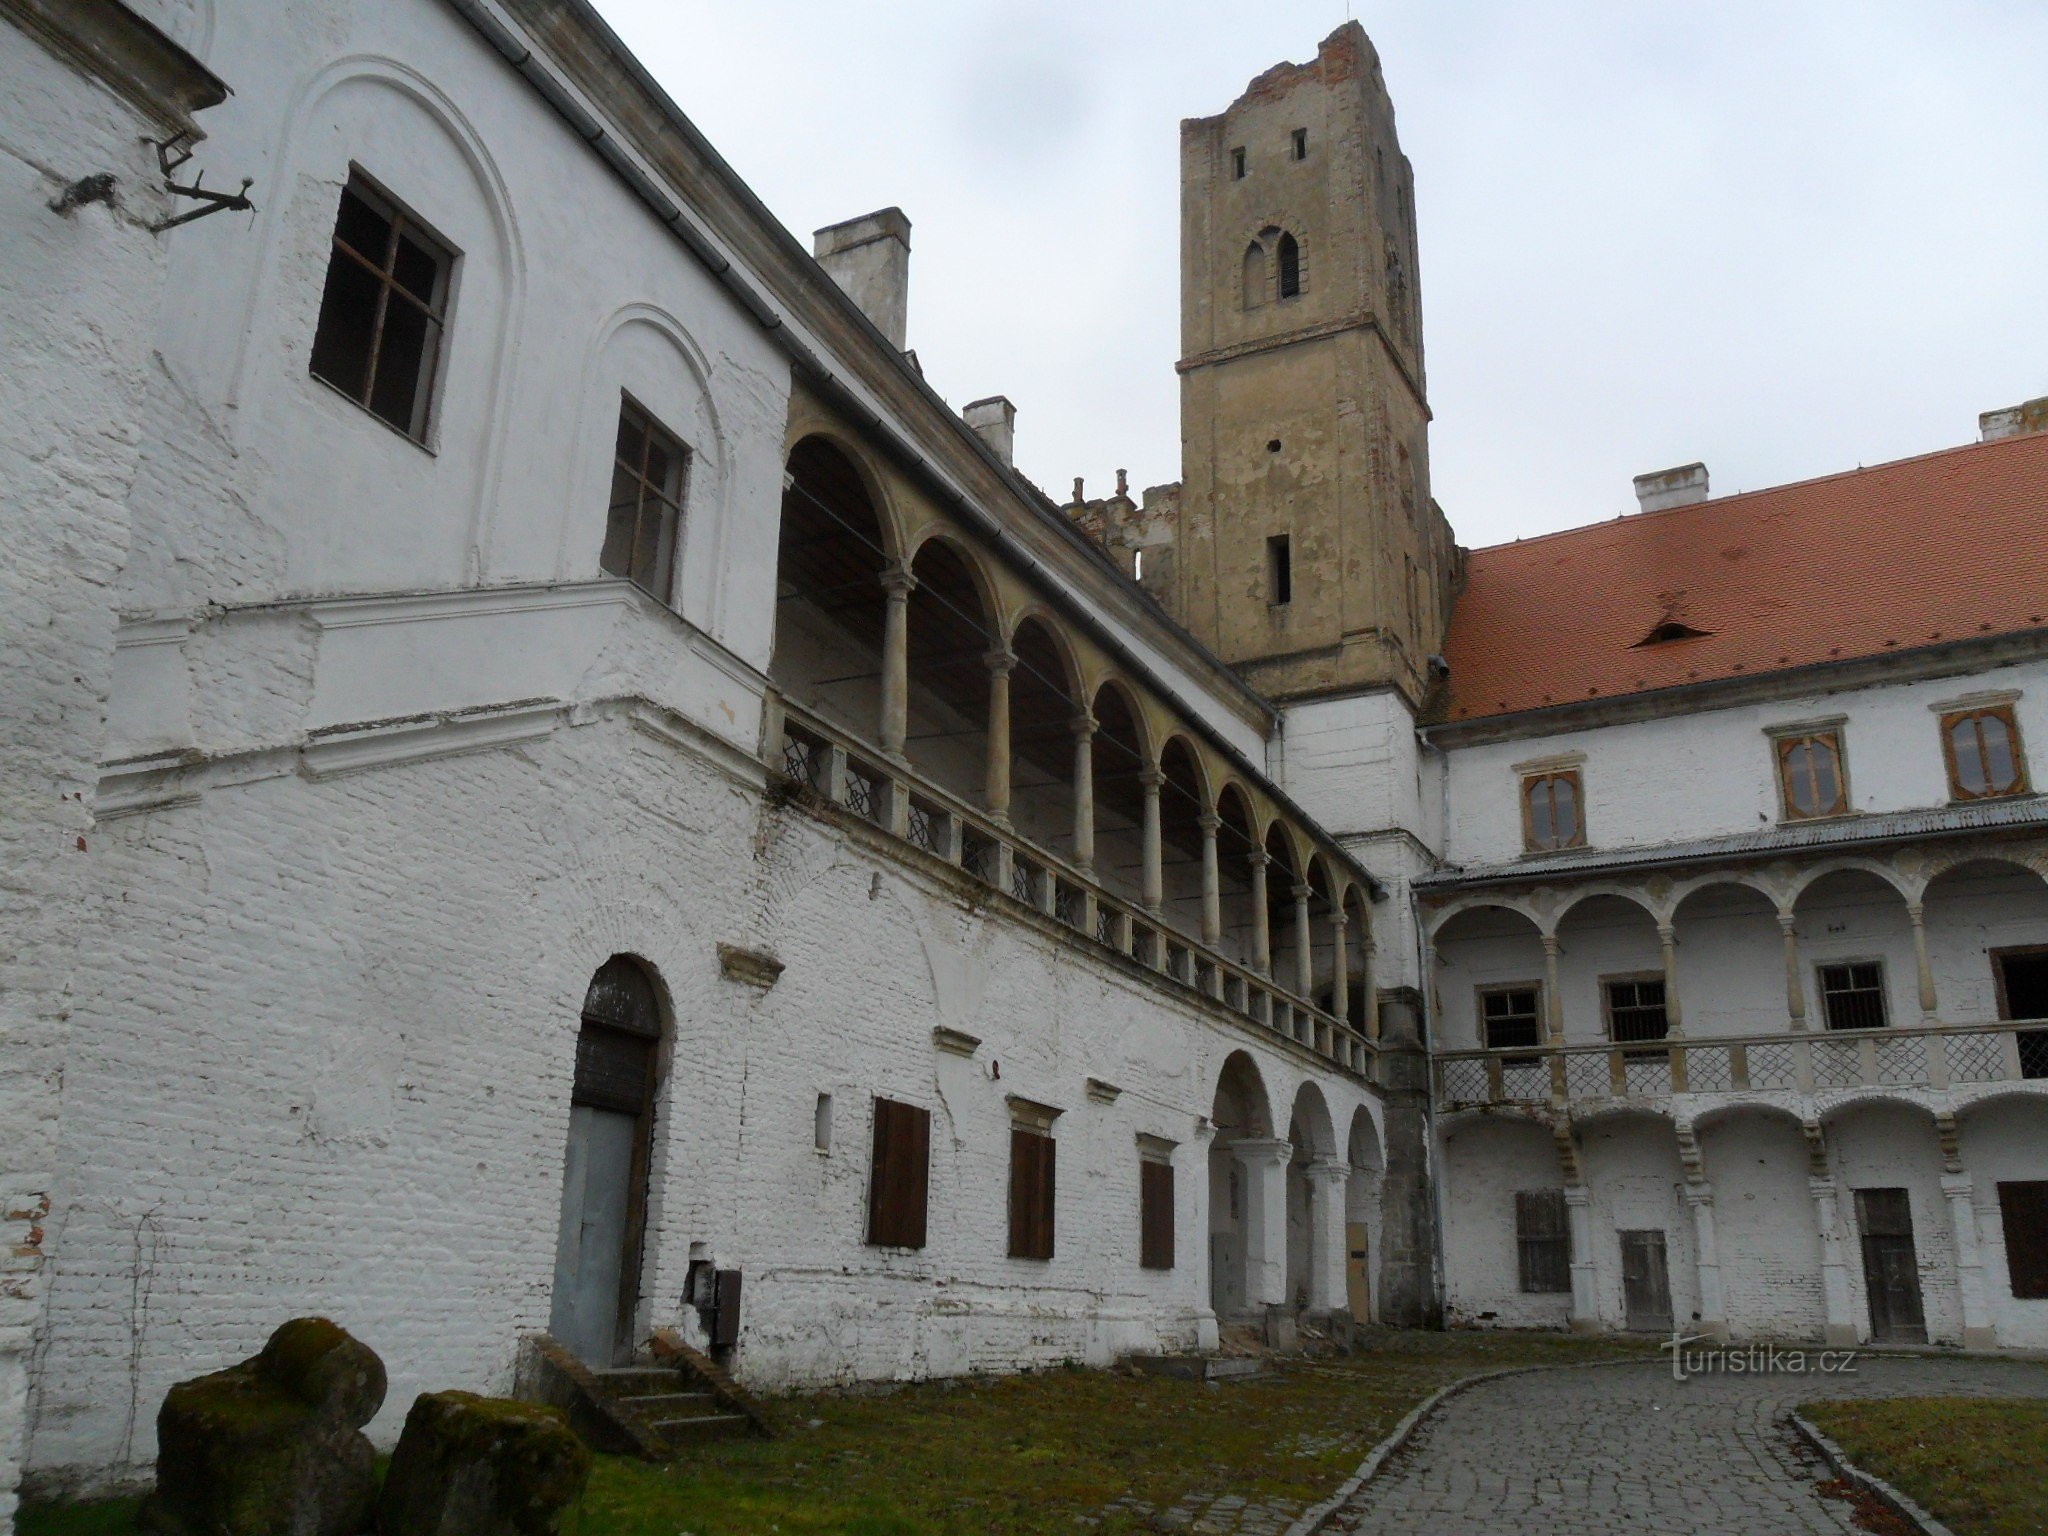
(273, 1446)
(481, 1466)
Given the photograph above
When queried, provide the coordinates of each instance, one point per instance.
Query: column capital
(1150, 778)
(1578, 1194)
(1329, 1170)
(1301, 891)
(1338, 920)
(1916, 913)
(1262, 1151)
(1701, 1193)
(1958, 1186)
(999, 661)
(897, 581)
(1821, 1186)
(1084, 725)
(1210, 823)
(1666, 932)
(1550, 945)
(1786, 918)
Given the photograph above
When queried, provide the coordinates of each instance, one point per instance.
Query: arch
(1583, 894)
(834, 547)
(1360, 957)
(1488, 948)
(1877, 869)
(1240, 1105)
(1310, 1126)
(1236, 843)
(1183, 802)
(1241, 1112)
(1045, 708)
(1122, 757)
(1757, 1160)
(1310, 1132)
(1836, 1106)
(1365, 1151)
(1610, 976)
(1287, 259)
(1729, 947)
(1985, 913)
(951, 633)
(1283, 874)
(1850, 915)
(1253, 276)
(1065, 670)
(1364, 1147)
(601, 1237)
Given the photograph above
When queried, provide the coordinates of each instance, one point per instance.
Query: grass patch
(1018, 1454)
(1975, 1463)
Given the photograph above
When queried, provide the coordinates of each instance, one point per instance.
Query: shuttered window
(896, 1189)
(1031, 1193)
(1543, 1241)
(1155, 1214)
(2023, 1211)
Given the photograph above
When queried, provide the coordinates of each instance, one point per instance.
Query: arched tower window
(1254, 275)
(1290, 267)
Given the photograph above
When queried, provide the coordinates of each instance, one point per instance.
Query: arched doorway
(1244, 1202)
(604, 1177)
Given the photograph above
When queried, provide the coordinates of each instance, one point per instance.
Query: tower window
(1279, 570)
(1290, 268)
(1237, 164)
(1301, 143)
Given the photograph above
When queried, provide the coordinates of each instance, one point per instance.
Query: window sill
(398, 432)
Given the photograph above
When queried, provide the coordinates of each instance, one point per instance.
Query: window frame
(1297, 145)
(1784, 741)
(2033, 1285)
(1530, 778)
(1034, 1200)
(884, 1228)
(652, 430)
(1155, 1206)
(1290, 269)
(1647, 1047)
(1485, 990)
(1551, 1278)
(2001, 710)
(447, 258)
(1883, 991)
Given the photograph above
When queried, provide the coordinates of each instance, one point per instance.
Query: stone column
(1084, 793)
(1930, 1009)
(1667, 939)
(1371, 1005)
(1834, 1266)
(1265, 1162)
(1409, 1295)
(996, 794)
(1978, 1330)
(897, 585)
(1795, 989)
(1553, 994)
(1304, 945)
(1150, 779)
(1713, 1307)
(1340, 966)
(1262, 917)
(1207, 1334)
(1578, 1202)
(1328, 1181)
(1212, 881)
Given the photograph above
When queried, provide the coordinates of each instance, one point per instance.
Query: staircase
(677, 1399)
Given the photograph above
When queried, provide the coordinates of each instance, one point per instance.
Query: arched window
(1290, 268)
(1254, 275)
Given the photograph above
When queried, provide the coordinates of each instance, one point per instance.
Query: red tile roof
(1948, 546)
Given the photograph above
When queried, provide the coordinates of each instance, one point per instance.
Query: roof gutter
(840, 394)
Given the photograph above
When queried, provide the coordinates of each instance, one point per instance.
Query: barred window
(1511, 1016)
(1543, 1241)
(1853, 994)
(1636, 1008)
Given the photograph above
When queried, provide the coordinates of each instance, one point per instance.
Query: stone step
(709, 1426)
(625, 1380)
(672, 1405)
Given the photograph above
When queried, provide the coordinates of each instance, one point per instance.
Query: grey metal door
(1891, 1272)
(1645, 1282)
(590, 1251)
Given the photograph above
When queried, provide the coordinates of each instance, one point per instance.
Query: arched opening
(1289, 258)
(1731, 972)
(1987, 943)
(1119, 766)
(1322, 933)
(1858, 964)
(1044, 708)
(1236, 845)
(1182, 804)
(1611, 972)
(604, 1175)
(951, 636)
(1254, 276)
(1238, 1162)
(1283, 874)
(2004, 1145)
(1490, 995)
(1358, 961)
(1312, 1240)
(1642, 1230)
(829, 602)
(1362, 1216)
(1498, 1173)
(1903, 1281)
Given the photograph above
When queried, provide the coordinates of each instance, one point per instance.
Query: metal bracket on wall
(171, 154)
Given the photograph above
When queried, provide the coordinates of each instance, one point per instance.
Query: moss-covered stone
(481, 1466)
(273, 1446)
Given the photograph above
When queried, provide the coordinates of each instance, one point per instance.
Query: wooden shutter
(898, 1184)
(1543, 1241)
(1031, 1193)
(2023, 1212)
(1155, 1214)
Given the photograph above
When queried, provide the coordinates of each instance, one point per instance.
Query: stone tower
(1307, 551)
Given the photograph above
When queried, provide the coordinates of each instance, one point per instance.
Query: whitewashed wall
(1712, 773)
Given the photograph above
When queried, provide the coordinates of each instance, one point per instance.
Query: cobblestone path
(1626, 1449)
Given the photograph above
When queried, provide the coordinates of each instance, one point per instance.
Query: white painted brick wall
(1484, 1163)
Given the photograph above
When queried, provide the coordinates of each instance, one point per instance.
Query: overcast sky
(1782, 236)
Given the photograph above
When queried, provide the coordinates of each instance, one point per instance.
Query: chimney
(869, 257)
(1679, 487)
(2015, 420)
(994, 421)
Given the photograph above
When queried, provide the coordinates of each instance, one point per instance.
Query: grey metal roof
(1843, 832)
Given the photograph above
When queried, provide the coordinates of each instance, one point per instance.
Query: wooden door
(1891, 1271)
(1358, 1270)
(1645, 1282)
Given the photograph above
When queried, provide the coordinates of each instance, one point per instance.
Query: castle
(552, 775)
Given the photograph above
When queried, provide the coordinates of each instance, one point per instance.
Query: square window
(379, 336)
(1810, 776)
(1982, 747)
(1551, 811)
(1510, 1017)
(1852, 994)
(646, 515)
